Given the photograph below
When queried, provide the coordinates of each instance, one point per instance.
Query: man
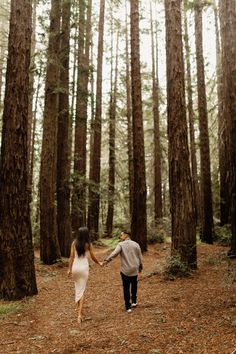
(131, 265)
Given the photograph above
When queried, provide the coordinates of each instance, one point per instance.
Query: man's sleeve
(140, 259)
(115, 253)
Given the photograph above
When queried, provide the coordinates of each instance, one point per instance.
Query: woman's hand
(68, 272)
(101, 264)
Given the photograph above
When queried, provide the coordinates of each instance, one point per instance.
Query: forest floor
(193, 315)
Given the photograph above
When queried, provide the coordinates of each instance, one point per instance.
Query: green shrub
(160, 232)
(175, 268)
(222, 234)
(156, 236)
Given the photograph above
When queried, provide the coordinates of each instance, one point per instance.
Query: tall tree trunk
(228, 43)
(129, 117)
(206, 193)
(31, 94)
(63, 142)
(49, 245)
(139, 209)
(157, 145)
(94, 190)
(112, 146)
(34, 128)
(222, 134)
(181, 194)
(196, 189)
(79, 201)
(17, 273)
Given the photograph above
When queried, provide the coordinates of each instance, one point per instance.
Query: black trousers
(129, 283)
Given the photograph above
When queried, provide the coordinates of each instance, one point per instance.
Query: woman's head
(82, 239)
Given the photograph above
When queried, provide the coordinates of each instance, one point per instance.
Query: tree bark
(129, 117)
(94, 188)
(139, 211)
(112, 146)
(49, 245)
(196, 189)
(228, 43)
(206, 192)
(222, 134)
(79, 192)
(17, 273)
(156, 122)
(180, 184)
(63, 138)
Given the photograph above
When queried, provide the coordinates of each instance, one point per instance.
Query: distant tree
(94, 187)
(190, 110)
(228, 43)
(181, 194)
(63, 138)
(31, 118)
(139, 211)
(17, 273)
(156, 121)
(222, 133)
(129, 116)
(79, 189)
(112, 140)
(206, 190)
(49, 245)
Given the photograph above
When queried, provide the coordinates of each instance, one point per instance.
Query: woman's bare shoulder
(88, 246)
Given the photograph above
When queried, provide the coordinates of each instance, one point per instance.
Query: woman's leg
(80, 307)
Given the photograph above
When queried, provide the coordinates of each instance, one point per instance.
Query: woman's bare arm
(92, 254)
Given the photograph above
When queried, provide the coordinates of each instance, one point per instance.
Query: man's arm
(140, 259)
(114, 254)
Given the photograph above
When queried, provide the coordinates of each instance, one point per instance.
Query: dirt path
(189, 316)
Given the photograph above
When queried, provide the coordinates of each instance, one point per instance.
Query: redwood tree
(206, 192)
(222, 134)
(190, 110)
(94, 196)
(139, 211)
(129, 116)
(78, 200)
(112, 141)
(228, 30)
(49, 245)
(17, 273)
(156, 124)
(63, 138)
(181, 194)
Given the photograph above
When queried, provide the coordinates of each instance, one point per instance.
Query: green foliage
(156, 235)
(6, 309)
(160, 232)
(110, 242)
(215, 259)
(175, 268)
(36, 234)
(222, 234)
(230, 276)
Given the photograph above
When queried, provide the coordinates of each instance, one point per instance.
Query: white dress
(80, 273)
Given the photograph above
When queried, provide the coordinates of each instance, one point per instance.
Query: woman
(79, 265)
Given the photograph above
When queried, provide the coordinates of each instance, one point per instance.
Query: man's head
(124, 235)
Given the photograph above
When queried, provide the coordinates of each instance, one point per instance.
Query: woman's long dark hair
(82, 239)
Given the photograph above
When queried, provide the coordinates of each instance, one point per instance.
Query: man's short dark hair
(127, 233)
